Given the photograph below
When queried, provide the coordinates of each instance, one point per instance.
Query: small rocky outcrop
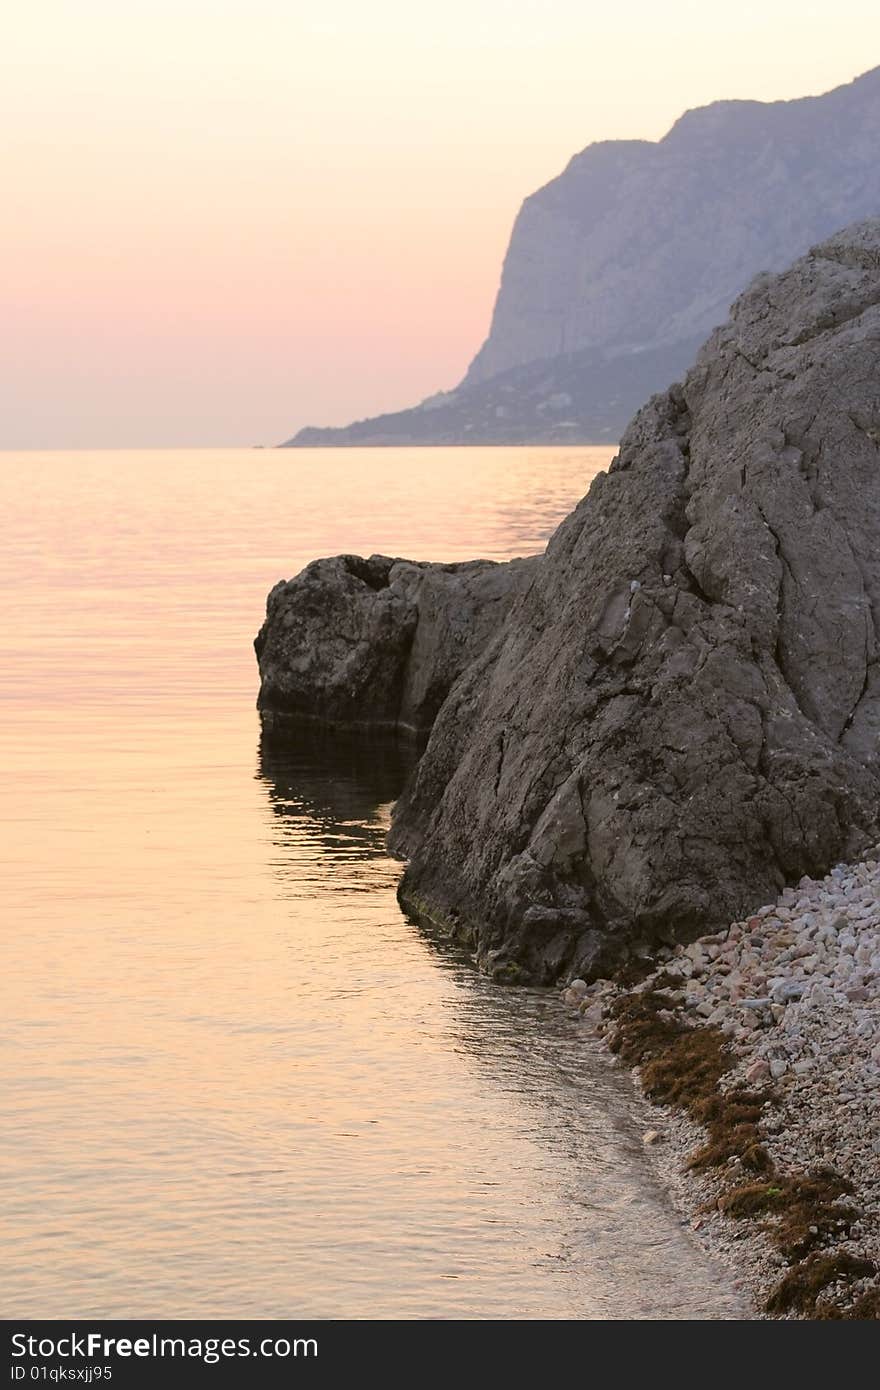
(378, 642)
(683, 711)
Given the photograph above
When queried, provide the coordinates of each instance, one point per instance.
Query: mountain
(620, 266)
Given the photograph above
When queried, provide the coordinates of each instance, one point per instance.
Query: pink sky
(225, 220)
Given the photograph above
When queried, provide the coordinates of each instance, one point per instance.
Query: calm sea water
(235, 1081)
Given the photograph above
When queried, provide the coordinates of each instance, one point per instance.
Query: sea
(235, 1080)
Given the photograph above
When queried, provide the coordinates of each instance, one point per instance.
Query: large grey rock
(621, 265)
(378, 642)
(683, 709)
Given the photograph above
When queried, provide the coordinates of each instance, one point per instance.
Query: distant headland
(617, 269)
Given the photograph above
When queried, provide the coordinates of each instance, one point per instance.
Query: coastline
(756, 1053)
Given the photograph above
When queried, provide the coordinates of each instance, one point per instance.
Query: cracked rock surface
(681, 712)
(378, 642)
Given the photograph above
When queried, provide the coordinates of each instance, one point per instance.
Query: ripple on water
(234, 1078)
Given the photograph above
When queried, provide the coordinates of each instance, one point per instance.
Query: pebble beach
(793, 995)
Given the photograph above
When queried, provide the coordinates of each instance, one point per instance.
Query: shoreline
(756, 1051)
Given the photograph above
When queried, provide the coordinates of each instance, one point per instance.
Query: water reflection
(335, 777)
(332, 791)
(503, 1135)
(233, 1076)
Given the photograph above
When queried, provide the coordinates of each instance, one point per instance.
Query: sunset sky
(225, 219)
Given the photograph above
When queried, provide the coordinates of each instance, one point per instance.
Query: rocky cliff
(621, 265)
(683, 710)
(640, 244)
(680, 711)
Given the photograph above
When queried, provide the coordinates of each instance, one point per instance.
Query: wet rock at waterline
(681, 710)
(378, 641)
